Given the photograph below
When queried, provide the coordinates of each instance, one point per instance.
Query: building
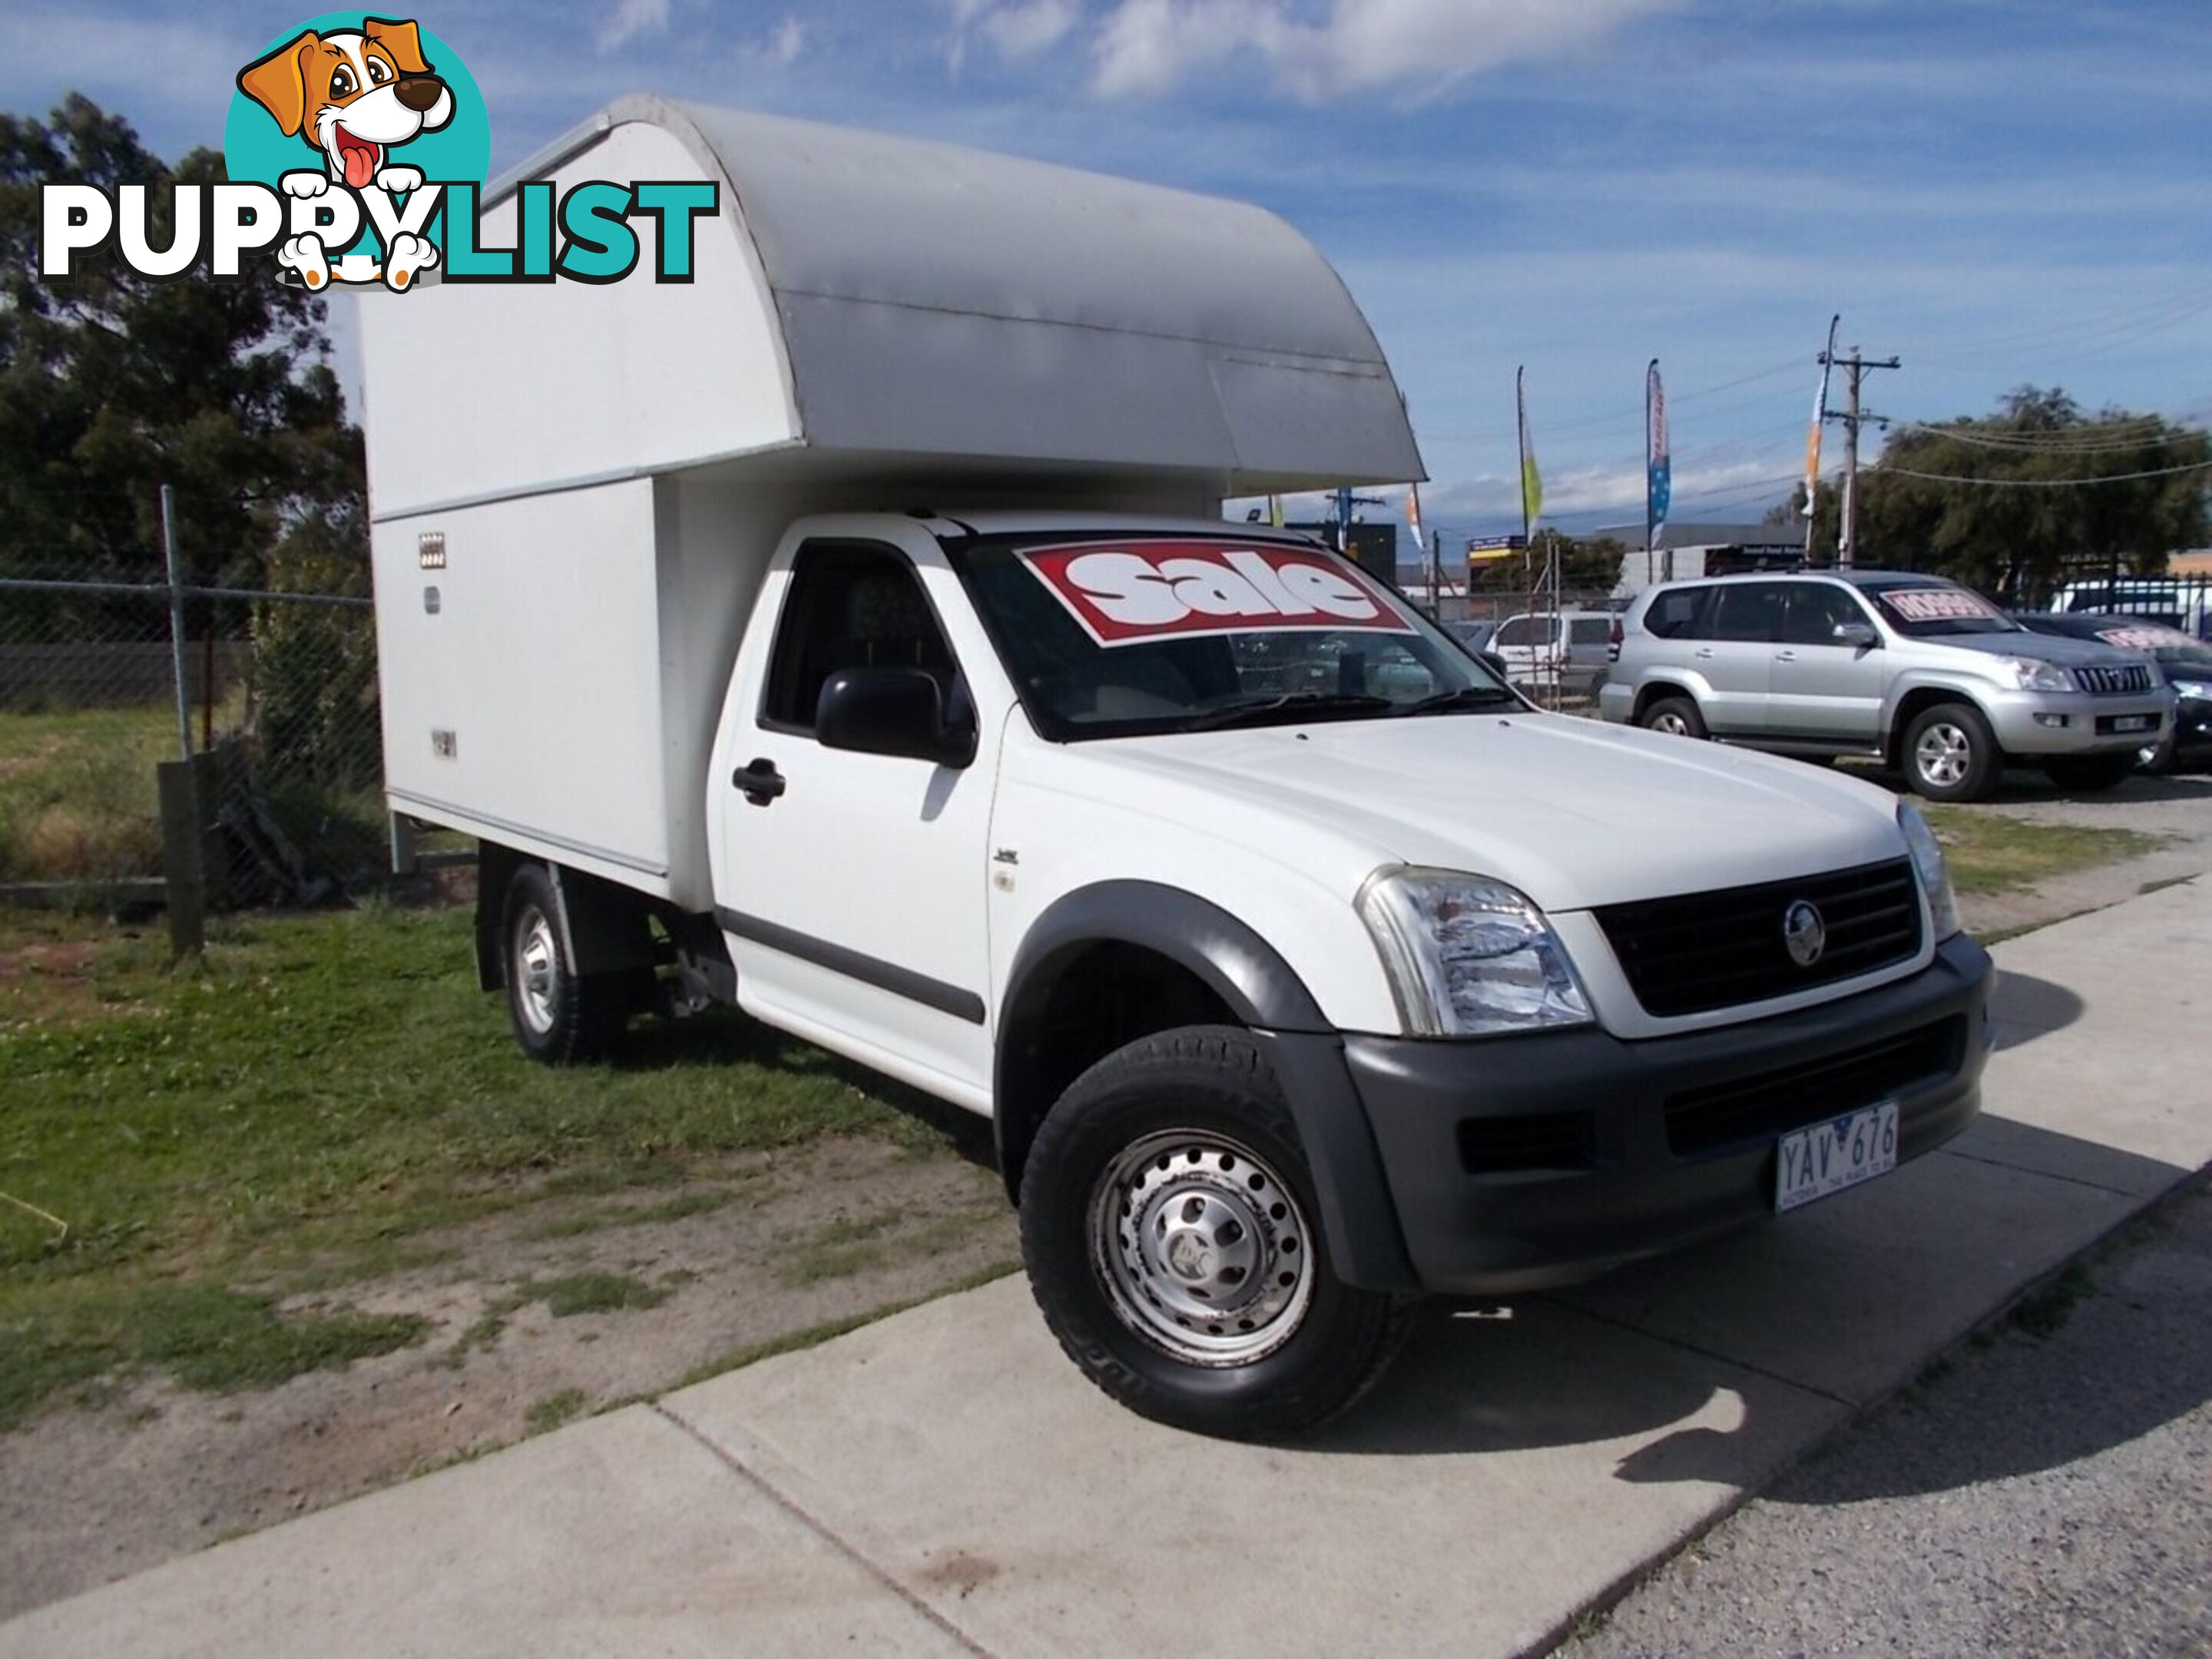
(1683, 550)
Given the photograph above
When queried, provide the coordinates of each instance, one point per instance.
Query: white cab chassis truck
(852, 634)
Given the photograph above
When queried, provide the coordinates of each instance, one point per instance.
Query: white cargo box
(576, 489)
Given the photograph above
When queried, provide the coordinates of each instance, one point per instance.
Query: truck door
(855, 885)
(1822, 688)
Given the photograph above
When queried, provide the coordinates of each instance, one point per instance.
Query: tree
(112, 385)
(1592, 567)
(2011, 503)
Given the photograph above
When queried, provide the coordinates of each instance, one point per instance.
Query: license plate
(2133, 723)
(1829, 1156)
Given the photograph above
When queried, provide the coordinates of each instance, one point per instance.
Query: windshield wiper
(1333, 703)
(1467, 697)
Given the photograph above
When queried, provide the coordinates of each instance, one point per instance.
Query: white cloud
(783, 46)
(1146, 48)
(629, 20)
(1025, 30)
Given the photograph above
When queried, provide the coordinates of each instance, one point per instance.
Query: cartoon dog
(353, 96)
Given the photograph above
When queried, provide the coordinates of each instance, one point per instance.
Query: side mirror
(1860, 637)
(892, 711)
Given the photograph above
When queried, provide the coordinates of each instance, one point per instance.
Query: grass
(77, 793)
(548, 1412)
(205, 1336)
(859, 1244)
(292, 1109)
(1990, 853)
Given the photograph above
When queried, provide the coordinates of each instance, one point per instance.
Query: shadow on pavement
(2024, 1008)
(1763, 1333)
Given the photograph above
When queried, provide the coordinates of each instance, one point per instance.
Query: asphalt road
(2047, 1491)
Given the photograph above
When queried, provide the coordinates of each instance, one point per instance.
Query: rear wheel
(2091, 774)
(560, 1017)
(1676, 716)
(1950, 753)
(1170, 1229)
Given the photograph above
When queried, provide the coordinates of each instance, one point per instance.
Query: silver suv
(1921, 673)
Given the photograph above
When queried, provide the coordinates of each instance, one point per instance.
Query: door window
(1680, 613)
(1816, 610)
(1592, 630)
(1748, 610)
(849, 604)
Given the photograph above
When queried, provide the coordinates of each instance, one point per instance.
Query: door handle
(1785, 656)
(1705, 651)
(761, 782)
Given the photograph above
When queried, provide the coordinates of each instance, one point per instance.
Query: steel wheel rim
(1943, 754)
(537, 969)
(1202, 1249)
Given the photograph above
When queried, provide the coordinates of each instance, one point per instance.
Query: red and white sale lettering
(2144, 639)
(1936, 604)
(1126, 593)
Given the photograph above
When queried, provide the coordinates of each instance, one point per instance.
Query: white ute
(852, 634)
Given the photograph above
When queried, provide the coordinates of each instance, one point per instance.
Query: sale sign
(1127, 592)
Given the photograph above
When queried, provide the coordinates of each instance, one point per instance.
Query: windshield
(1930, 610)
(2173, 647)
(1111, 635)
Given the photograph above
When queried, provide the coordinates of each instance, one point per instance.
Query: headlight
(2192, 690)
(1927, 860)
(1469, 956)
(2033, 674)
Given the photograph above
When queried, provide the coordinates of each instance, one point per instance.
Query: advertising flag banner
(1532, 481)
(1820, 420)
(1659, 465)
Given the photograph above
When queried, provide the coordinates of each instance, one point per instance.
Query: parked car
(1474, 635)
(2183, 603)
(2185, 662)
(1568, 646)
(1919, 671)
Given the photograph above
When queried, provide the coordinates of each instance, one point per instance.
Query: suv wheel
(1950, 753)
(2091, 774)
(1170, 1229)
(1676, 716)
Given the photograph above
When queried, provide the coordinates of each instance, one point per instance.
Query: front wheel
(1950, 753)
(1169, 1227)
(2091, 774)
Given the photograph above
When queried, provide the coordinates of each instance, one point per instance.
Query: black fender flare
(1262, 994)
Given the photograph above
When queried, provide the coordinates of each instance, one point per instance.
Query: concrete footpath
(943, 1481)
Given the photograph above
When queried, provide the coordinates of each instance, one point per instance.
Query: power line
(1889, 472)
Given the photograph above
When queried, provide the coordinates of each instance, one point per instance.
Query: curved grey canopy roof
(933, 299)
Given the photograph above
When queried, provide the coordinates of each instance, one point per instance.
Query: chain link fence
(273, 697)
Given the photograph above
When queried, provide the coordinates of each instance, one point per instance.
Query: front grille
(1535, 1140)
(1705, 950)
(1774, 1103)
(2132, 679)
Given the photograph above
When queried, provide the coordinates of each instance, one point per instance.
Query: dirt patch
(560, 1308)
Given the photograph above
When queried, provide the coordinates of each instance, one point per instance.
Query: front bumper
(1519, 1163)
(2060, 723)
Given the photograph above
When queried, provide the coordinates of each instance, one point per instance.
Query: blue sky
(1998, 192)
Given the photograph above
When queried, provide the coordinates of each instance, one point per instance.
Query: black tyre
(2091, 774)
(1950, 754)
(1676, 715)
(1169, 1226)
(560, 1017)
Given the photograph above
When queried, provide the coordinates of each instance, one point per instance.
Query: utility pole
(1853, 417)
